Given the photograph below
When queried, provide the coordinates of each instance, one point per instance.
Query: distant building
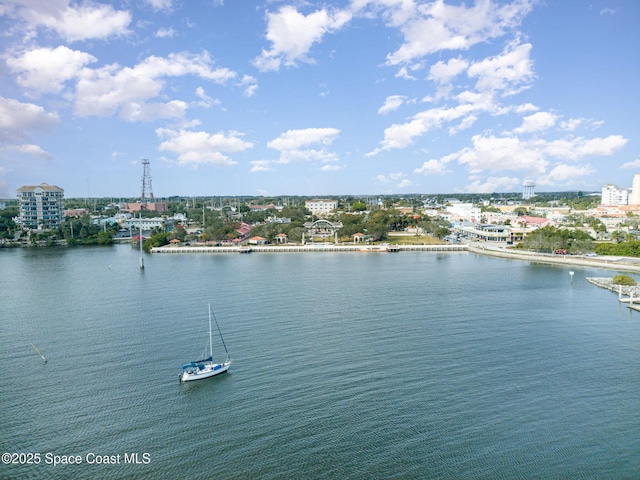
(635, 190)
(321, 207)
(76, 212)
(612, 195)
(41, 207)
(151, 207)
(465, 211)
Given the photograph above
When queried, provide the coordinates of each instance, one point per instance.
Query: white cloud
(292, 35)
(200, 148)
(295, 145)
(205, 100)
(28, 149)
(503, 154)
(331, 168)
(18, 120)
(249, 84)
(434, 167)
(160, 4)
(635, 164)
(436, 26)
(576, 148)
(165, 33)
(44, 70)
(402, 135)
(398, 179)
(391, 103)
(493, 184)
(82, 21)
(537, 122)
(565, 175)
(443, 72)
(260, 166)
(506, 72)
(113, 89)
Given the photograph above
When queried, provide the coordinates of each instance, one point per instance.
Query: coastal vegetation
(624, 248)
(550, 239)
(624, 280)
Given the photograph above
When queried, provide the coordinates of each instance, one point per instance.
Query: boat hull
(207, 372)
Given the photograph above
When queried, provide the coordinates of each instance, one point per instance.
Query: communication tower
(147, 192)
(528, 187)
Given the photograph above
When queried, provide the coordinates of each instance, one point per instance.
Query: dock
(315, 248)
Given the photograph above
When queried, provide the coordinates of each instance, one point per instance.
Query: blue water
(346, 365)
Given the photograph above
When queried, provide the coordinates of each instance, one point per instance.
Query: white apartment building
(612, 195)
(465, 212)
(321, 207)
(635, 190)
(41, 206)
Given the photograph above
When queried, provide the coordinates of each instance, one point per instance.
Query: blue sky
(307, 98)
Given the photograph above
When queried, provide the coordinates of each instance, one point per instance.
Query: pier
(316, 248)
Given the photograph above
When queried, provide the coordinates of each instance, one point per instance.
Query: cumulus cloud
(402, 135)
(635, 164)
(565, 175)
(18, 120)
(493, 184)
(489, 155)
(537, 122)
(444, 72)
(503, 154)
(305, 145)
(292, 34)
(201, 148)
(260, 166)
(166, 5)
(45, 70)
(435, 166)
(398, 179)
(165, 33)
(436, 26)
(576, 148)
(391, 103)
(82, 21)
(508, 72)
(113, 89)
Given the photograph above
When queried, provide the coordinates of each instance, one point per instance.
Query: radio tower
(147, 192)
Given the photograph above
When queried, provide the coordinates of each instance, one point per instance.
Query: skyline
(307, 98)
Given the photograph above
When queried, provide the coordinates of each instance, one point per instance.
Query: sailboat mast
(221, 337)
(141, 260)
(210, 338)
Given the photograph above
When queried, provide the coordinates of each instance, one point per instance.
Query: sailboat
(206, 367)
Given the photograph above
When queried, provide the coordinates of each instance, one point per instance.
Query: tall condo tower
(147, 192)
(635, 190)
(527, 191)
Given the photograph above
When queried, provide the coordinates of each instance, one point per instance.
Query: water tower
(527, 191)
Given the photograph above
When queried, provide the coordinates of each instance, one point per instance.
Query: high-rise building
(612, 195)
(41, 206)
(635, 190)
